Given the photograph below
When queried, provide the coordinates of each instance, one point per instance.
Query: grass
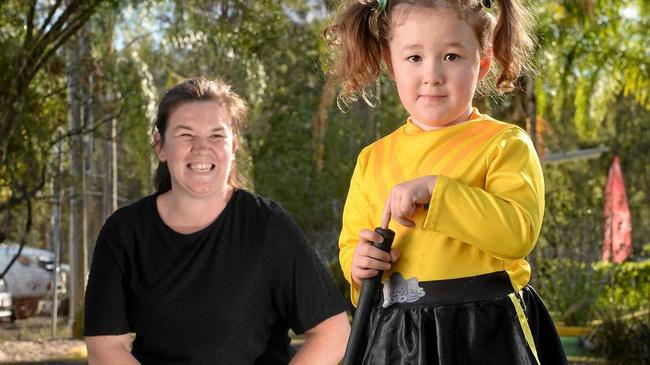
(576, 354)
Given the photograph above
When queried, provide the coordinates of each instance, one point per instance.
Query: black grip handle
(369, 291)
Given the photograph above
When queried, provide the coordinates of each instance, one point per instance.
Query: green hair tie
(373, 21)
(381, 5)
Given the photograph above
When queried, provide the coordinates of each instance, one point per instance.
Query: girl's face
(436, 62)
(199, 148)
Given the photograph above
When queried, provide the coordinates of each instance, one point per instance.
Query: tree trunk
(108, 95)
(328, 94)
(110, 174)
(77, 78)
(531, 106)
(56, 235)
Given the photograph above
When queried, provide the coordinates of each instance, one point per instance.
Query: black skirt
(476, 320)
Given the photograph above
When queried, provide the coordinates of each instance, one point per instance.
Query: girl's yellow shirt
(485, 212)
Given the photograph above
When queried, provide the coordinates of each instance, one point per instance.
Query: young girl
(463, 192)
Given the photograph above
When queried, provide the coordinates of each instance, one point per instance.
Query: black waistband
(462, 290)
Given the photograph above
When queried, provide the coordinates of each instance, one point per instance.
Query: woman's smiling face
(199, 148)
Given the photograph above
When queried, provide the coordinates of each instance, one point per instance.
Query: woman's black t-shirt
(225, 294)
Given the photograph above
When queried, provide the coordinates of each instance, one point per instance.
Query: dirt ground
(30, 341)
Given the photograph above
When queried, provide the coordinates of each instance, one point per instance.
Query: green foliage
(569, 289)
(134, 126)
(589, 53)
(624, 341)
(573, 222)
(627, 288)
(628, 134)
(31, 148)
(578, 293)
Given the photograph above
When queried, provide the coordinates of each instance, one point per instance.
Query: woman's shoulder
(133, 212)
(276, 223)
(255, 200)
(125, 222)
(264, 206)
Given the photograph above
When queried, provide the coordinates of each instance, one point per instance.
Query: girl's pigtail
(356, 48)
(512, 43)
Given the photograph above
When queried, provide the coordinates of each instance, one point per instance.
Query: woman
(203, 272)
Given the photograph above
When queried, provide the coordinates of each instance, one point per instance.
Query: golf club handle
(367, 298)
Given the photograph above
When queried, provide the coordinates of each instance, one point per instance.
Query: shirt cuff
(435, 205)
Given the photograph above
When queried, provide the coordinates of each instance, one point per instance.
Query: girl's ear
(385, 54)
(158, 144)
(484, 65)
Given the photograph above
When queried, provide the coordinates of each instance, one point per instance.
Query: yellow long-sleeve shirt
(485, 212)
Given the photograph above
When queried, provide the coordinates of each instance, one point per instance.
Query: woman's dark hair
(192, 90)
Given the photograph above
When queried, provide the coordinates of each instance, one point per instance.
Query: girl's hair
(359, 37)
(193, 90)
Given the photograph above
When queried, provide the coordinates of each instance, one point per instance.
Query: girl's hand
(404, 198)
(367, 259)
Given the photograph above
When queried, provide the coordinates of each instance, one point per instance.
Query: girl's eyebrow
(455, 45)
(414, 46)
(187, 128)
